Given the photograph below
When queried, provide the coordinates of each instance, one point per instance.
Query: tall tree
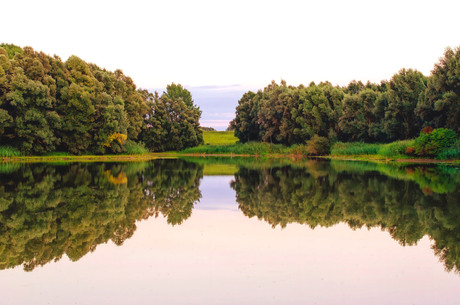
(440, 107)
(172, 122)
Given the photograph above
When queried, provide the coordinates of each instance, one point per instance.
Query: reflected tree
(324, 194)
(48, 211)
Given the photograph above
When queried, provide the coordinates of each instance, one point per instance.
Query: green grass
(355, 148)
(8, 151)
(395, 149)
(57, 154)
(251, 148)
(219, 138)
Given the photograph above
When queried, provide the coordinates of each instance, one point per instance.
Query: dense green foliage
(318, 146)
(8, 151)
(452, 152)
(355, 148)
(390, 111)
(172, 122)
(389, 150)
(318, 194)
(48, 211)
(439, 143)
(49, 105)
(433, 143)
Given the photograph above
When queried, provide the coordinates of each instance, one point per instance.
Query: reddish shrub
(427, 129)
(410, 150)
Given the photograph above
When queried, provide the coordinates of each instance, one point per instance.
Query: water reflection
(47, 211)
(407, 202)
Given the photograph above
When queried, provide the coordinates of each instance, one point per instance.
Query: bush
(318, 146)
(395, 149)
(432, 144)
(452, 152)
(427, 130)
(410, 150)
(8, 151)
(133, 148)
(298, 150)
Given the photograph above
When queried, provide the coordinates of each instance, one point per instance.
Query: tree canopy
(392, 110)
(49, 105)
(172, 122)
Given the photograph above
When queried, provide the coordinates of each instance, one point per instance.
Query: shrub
(395, 149)
(410, 150)
(427, 129)
(432, 144)
(318, 146)
(133, 148)
(8, 151)
(298, 150)
(452, 152)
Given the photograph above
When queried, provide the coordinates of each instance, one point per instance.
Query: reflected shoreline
(47, 210)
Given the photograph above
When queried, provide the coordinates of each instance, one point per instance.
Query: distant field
(219, 137)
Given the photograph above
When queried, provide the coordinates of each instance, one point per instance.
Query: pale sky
(248, 43)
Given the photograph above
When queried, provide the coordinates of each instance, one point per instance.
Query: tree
(172, 122)
(405, 89)
(48, 105)
(246, 123)
(440, 107)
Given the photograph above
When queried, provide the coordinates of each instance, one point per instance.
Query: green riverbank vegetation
(391, 111)
(51, 107)
(48, 105)
(441, 144)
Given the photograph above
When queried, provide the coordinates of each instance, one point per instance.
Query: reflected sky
(219, 255)
(222, 257)
(219, 194)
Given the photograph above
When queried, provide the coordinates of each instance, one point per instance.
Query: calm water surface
(229, 231)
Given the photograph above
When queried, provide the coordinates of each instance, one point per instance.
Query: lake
(229, 231)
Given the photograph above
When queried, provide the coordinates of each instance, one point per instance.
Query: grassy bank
(395, 151)
(219, 137)
(8, 151)
(87, 158)
(224, 143)
(247, 149)
(392, 151)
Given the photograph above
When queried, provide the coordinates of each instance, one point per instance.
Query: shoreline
(152, 156)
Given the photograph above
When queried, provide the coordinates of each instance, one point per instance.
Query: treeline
(48, 105)
(392, 110)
